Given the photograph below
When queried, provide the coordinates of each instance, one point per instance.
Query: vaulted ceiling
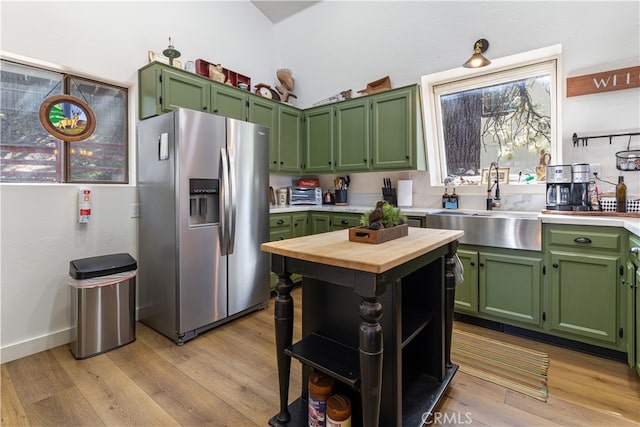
(276, 11)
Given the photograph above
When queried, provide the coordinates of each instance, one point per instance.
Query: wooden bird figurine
(375, 216)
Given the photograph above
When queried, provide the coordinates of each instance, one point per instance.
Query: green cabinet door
(584, 294)
(466, 299)
(341, 221)
(265, 112)
(299, 224)
(290, 148)
(320, 222)
(352, 135)
(510, 286)
(394, 129)
(319, 140)
(180, 90)
(637, 316)
(229, 102)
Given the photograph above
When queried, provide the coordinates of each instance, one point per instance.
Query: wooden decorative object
(67, 118)
(607, 81)
(379, 85)
(231, 77)
(364, 235)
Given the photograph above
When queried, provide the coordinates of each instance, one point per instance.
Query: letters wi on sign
(607, 81)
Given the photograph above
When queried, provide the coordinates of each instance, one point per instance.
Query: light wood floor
(228, 377)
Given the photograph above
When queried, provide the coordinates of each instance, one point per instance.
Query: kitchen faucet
(493, 202)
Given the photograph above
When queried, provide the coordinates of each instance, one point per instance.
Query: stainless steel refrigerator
(204, 207)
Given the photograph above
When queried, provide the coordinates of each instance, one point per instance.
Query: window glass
(30, 154)
(507, 115)
(27, 152)
(103, 156)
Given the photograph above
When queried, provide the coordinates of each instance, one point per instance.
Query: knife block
(390, 195)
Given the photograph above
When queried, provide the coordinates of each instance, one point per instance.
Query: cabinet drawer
(345, 221)
(280, 234)
(279, 221)
(585, 239)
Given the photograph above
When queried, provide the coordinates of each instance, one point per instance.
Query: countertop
(629, 223)
(334, 248)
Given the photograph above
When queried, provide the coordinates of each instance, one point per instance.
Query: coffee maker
(559, 187)
(580, 187)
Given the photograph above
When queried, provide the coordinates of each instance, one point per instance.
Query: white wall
(330, 47)
(106, 40)
(334, 46)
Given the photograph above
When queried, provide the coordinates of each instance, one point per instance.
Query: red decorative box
(202, 68)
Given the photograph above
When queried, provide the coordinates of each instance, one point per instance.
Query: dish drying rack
(626, 160)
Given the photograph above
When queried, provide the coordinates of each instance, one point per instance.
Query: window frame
(506, 67)
(64, 160)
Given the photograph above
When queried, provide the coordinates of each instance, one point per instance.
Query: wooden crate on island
(365, 235)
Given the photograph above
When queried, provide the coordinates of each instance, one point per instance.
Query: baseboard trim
(35, 345)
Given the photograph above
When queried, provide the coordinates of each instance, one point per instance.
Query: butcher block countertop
(335, 248)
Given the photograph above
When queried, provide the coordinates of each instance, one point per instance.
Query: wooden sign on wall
(607, 81)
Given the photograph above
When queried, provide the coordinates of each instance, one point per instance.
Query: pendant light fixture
(477, 60)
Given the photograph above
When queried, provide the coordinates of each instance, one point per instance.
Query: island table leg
(370, 360)
(450, 295)
(283, 316)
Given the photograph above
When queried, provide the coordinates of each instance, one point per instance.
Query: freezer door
(202, 269)
(248, 149)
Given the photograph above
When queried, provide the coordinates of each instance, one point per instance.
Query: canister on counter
(594, 198)
(338, 411)
(320, 388)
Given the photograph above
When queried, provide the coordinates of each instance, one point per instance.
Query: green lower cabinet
(511, 287)
(584, 295)
(343, 221)
(299, 223)
(466, 299)
(285, 226)
(320, 222)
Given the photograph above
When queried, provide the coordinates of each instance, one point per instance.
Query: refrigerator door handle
(232, 198)
(225, 216)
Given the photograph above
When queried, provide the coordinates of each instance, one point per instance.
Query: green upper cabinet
(290, 147)
(265, 112)
(319, 140)
(162, 89)
(228, 101)
(352, 135)
(394, 129)
(380, 132)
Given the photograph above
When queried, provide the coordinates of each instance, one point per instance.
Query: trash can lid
(86, 268)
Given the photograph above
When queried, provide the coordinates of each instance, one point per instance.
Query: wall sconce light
(477, 60)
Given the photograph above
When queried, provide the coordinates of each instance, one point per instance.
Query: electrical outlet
(135, 210)
(595, 169)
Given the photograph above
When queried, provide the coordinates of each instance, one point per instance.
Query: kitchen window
(506, 113)
(29, 154)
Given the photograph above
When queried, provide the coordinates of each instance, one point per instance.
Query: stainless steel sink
(501, 229)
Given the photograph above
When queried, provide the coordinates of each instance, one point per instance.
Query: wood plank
(334, 248)
(11, 410)
(115, 397)
(183, 398)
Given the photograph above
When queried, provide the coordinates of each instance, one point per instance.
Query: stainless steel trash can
(103, 303)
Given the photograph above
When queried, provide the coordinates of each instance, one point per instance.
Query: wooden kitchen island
(374, 318)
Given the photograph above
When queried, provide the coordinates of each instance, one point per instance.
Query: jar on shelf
(320, 389)
(338, 411)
